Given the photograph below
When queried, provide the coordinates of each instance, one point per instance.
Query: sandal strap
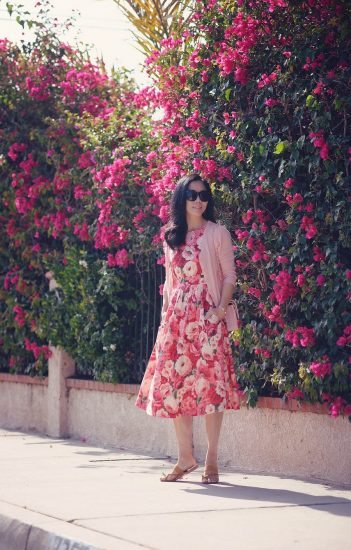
(211, 469)
(178, 472)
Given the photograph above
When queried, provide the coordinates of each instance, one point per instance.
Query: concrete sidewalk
(64, 494)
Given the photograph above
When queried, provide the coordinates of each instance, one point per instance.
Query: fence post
(61, 366)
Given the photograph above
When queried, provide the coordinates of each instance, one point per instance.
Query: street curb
(17, 535)
(23, 529)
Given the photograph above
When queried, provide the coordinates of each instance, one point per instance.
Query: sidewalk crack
(210, 510)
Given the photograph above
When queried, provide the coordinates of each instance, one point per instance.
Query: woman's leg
(213, 429)
(184, 432)
(186, 461)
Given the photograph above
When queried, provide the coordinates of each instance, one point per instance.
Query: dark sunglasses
(191, 195)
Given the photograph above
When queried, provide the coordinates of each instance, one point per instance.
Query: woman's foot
(210, 474)
(178, 472)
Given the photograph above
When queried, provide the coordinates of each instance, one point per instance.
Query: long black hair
(177, 226)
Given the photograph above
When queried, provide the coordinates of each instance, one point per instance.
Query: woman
(191, 372)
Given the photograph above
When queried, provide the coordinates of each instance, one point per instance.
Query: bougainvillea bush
(72, 207)
(256, 97)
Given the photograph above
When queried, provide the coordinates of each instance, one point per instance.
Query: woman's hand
(217, 312)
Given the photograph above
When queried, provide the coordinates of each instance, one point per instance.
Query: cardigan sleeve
(226, 256)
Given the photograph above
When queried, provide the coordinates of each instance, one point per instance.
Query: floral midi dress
(191, 368)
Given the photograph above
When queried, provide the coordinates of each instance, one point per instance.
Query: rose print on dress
(191, 369)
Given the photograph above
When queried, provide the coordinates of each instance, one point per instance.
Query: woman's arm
(226, 260)
(226, 296)
(226, 257)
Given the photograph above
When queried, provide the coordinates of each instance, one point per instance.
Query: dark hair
(177, 226)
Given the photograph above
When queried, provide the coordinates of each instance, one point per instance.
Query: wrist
(222, 308)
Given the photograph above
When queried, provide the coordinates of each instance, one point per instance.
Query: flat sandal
(178, 473)
(210, 474)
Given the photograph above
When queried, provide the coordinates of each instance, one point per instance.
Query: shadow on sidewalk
(282, 496)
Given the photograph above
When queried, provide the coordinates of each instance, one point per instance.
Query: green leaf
(309, 100)
(227, 94)
(20, 21)
(281, 168)
(280, 147)
(300, 142)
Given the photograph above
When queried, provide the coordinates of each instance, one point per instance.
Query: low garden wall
(275, 437)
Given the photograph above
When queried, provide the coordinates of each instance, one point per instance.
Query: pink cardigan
(217, 263)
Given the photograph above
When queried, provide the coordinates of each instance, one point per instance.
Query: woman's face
(196, 208)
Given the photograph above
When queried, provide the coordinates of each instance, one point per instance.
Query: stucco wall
(283, 442)
(23, 406)
(262, 440)
(112, 419)
(257, 440)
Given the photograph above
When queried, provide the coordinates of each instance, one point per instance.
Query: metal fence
(146, 276)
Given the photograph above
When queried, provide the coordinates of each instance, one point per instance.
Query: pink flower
(20, 317)
(241, 234)
(292, 200)
(120, 259)
(267, 79)
(301, 336)
(284, 288)
(294, 393)
(319, 142)
(318, 89)
(289, 183)
(345, 339)
(309, 207)
(282, 224)
(86, 160)
(254, 292)
(307, 224)
(15, 149)
(264, 352)
(326, 397)
(247, 217)
(273, 315)
(320, 280)
(271, 102)
(337, 406)
(282, 260)
(241, 75)
(82, 231)
(318, 255)
(37, 350)
(321, 368)
(324, 152)
(226, 117)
